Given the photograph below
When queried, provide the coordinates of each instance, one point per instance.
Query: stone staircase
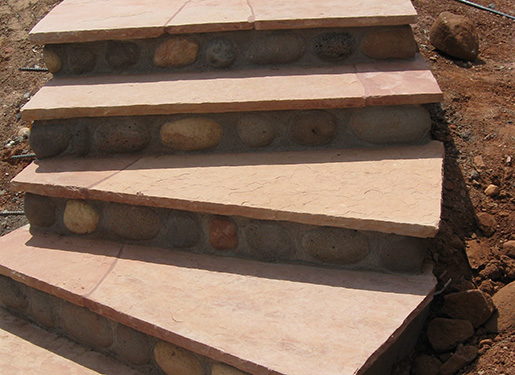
(226, 188)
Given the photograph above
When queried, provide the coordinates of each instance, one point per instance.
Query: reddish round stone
(223, 233)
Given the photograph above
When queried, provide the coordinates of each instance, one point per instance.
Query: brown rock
(80, 217)
(336, 245)
(86, 326)
(487, 286)
(11, 294)
(80, 140)
(121, 55)
(221, 369)
(120, 137)
(504, 318)
(493, 270)
(446, 334)
(176, 361)
(472, 305)
(81, 59)
(131, 345)
(394, 124)
(133, 222)
(334, 46)
(403, 254)
(223, 233)
(509, 248)
(49, 139)
(52, 61)
(486, 223)
(176, 52)
(390, 43)
(492, 190)
(40, 210)
(269, 241)
(256, 131)
(464, 355)
(425, 365)
(42, 308)
(191, 134)
(276, 48)
(183, 230)
(478, 253)
(314, 128)
(455, 35)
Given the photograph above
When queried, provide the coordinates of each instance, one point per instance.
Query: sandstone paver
(391, 190)
(259, 317)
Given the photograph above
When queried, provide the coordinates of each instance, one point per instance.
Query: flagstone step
(391, 190)
(261, 318)
(92, 20)
(382, 83)
(28, 349)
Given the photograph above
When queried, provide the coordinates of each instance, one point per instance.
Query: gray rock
(49, 139)
(390, 43)
(336, 245)
(86, 326)
(455, 35)
(40, 210)
(269, 241)
(333, 46)
(220, 53)
(80, 140)
(81, 59)
(183, 230)
(403, 254)
(121, 55)
(314, 128)
(131, 345)
(276, 48)
(12, 295)
(121, 137)
(133, 222)
(42, 308)
(445, 334)
(256, 131)
(394, 124)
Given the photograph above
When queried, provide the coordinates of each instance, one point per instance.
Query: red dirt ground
(475, 121)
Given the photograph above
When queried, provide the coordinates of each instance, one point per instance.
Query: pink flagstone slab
(75, 21)
(27, 349)
(259, 90)
(259, 317)
(291, 14)
(391, 190)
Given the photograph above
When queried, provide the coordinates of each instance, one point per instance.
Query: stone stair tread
(386, 83)
(390, 190)
(28, 349)
(75, 21)
(258, 317)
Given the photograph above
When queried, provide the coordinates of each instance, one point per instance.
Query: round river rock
(40, 210)
(176, 53)
(80, 217)
(269, 241)
(81, 59)
(276, 48)
(398, 124)
(335, 245)
(256, 131)
(133, 222)
(49, 139)
(121, 55)
(390, 43)
(52, 61)
(333, 46)
(184, 230)
(120, 137)
(223, 233)
(221, 369)
(191, 134)
(313, 128)
(174, 360)
(220, 53)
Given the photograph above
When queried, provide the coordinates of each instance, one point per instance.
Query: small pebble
(492, 190)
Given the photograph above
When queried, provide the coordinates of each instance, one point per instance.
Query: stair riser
(233, 50)
(137, 349)
(233, 132)
(227, 236)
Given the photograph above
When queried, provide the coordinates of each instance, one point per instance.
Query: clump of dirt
(475, 122)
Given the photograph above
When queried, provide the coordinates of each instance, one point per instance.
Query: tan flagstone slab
(391, 190)
(399, 82)
(202, 16)
(261, 90)
(91, 20)
(291, 14)
(262, 318)
(27, 349)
